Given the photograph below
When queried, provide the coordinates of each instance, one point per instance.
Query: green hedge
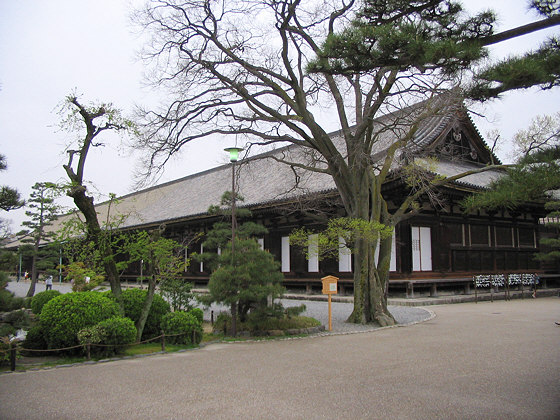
(113, 334)
(198, 313)
(39, 300)
(35, 339)
(64, 316)
(133, 301)
(118, 331)
(183, 328)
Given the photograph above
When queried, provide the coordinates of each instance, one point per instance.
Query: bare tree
(95, 119)
(241, 68)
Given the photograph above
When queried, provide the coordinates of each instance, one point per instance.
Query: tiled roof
(261, 179)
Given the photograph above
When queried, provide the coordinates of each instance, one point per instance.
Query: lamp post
(233, 156)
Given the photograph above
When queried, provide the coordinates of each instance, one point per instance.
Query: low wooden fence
(14, 346)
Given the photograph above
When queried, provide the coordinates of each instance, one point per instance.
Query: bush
(35, 340)
(6, 299)
(258, 324)
(133, 301)
(19, 319)
(113, 334)
(6, 330)
(177, 292)
(118, 331)
(198, 313)
(4, 351)
(292, 311)
(41, 298)
(91, 335)
(20, 302)
(184, 323)
(65, 315)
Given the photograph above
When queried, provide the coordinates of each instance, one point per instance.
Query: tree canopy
(262, 71)
(436, 34)
(10, 198)
(535, 176)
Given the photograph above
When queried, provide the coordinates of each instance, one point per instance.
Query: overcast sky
(50, 48)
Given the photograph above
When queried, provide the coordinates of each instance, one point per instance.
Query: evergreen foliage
(535, 177)
(64, 316)
(181, 327)
(550, 251)
(10, 199)
(421, 34)
(42, 212)
(117, 331)
(133, 301)
(284, 62)
(41, 298)
(247, 279)
(540, 67)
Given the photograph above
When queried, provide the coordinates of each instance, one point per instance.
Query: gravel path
(315, 309)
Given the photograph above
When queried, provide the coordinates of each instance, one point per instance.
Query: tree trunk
(86, 206)
(34, 276)
(370, 277)
(234, 311)
(370, 285)
(146, 308)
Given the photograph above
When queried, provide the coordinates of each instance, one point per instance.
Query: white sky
(49, 48)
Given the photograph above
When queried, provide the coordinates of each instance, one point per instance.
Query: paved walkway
(486, 361)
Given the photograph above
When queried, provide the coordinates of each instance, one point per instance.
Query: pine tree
(246, 278)
(10, 199)
(43, 211)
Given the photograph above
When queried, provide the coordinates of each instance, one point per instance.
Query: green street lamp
(233, 153)
(233, 156)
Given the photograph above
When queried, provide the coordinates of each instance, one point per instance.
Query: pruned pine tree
(540, 67)
(263, 70)
(534, 176)
(245, 278)
(10, 198)
(43, 210)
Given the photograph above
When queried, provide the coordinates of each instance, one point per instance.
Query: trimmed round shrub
(198, 313)
(118, 331)
(182, 328)
(91, 335)
(133, 301)
(113, 334)
(65, 315)
(39, 300)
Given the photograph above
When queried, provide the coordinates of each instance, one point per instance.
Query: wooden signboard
(330, 287)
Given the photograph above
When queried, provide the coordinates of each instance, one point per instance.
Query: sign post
(330, 287)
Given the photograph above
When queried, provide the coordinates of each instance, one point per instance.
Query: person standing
(48, 283)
